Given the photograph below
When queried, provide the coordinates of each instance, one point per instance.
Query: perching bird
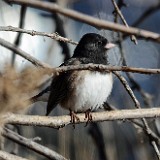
(84, 90)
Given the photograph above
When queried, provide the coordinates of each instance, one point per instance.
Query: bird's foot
(88, 116)
(74, 118)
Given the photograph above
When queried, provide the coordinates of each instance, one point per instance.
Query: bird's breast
(90, 89)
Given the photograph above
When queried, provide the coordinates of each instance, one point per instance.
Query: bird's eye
(99, 43)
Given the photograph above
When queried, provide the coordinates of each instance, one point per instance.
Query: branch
(31, 145)
(137, 105)
(128, 89)
(89, 19)
(147, 98)
(100, 67)
(133, 38)
(7, 156)
(34, 33)
(61, 121)
(23, 54)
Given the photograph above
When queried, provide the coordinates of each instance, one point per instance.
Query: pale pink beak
(109, 45)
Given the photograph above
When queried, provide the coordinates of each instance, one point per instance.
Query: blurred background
(116, 140)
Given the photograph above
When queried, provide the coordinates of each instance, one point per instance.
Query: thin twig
(142, 92)
(152, 136)
(129, 90)
(48, 153)
(36, 33)
(146, 96)
(96, 67)
(51, 7)
(137, 105)
(61, 121)
(133, 38)
(102, 68)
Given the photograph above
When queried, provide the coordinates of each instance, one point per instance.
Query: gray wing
(60, 84)
(59, 87)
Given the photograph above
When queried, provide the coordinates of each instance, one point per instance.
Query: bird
(83, 90)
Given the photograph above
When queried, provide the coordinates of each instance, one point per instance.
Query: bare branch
(100, 67)
(89, 19)
(133, 38)
(34, 33)
(23, 54)
(137, 105)
(147, 98)
(31, 145)
(7, 156)
(129, 90)
(61, 121)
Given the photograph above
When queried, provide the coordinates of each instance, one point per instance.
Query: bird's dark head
(92, 46)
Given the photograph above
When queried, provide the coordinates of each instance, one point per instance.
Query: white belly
(92, 91)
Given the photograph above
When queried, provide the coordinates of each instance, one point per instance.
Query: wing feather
(60, 85)
(58, 92)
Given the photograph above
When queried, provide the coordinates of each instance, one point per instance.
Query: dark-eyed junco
(85, 90)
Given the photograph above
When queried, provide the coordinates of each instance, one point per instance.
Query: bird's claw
(88, 116)
(74, 118)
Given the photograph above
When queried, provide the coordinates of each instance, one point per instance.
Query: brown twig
(143, 94)
(146, 96)
(100, 67)
(129, 90)
(61, 121)
(137, 105)
(50, 154)
(77, 67)
(96, 67)
(34, 33)
(23, 54)
(133, 38)
(89, 19)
